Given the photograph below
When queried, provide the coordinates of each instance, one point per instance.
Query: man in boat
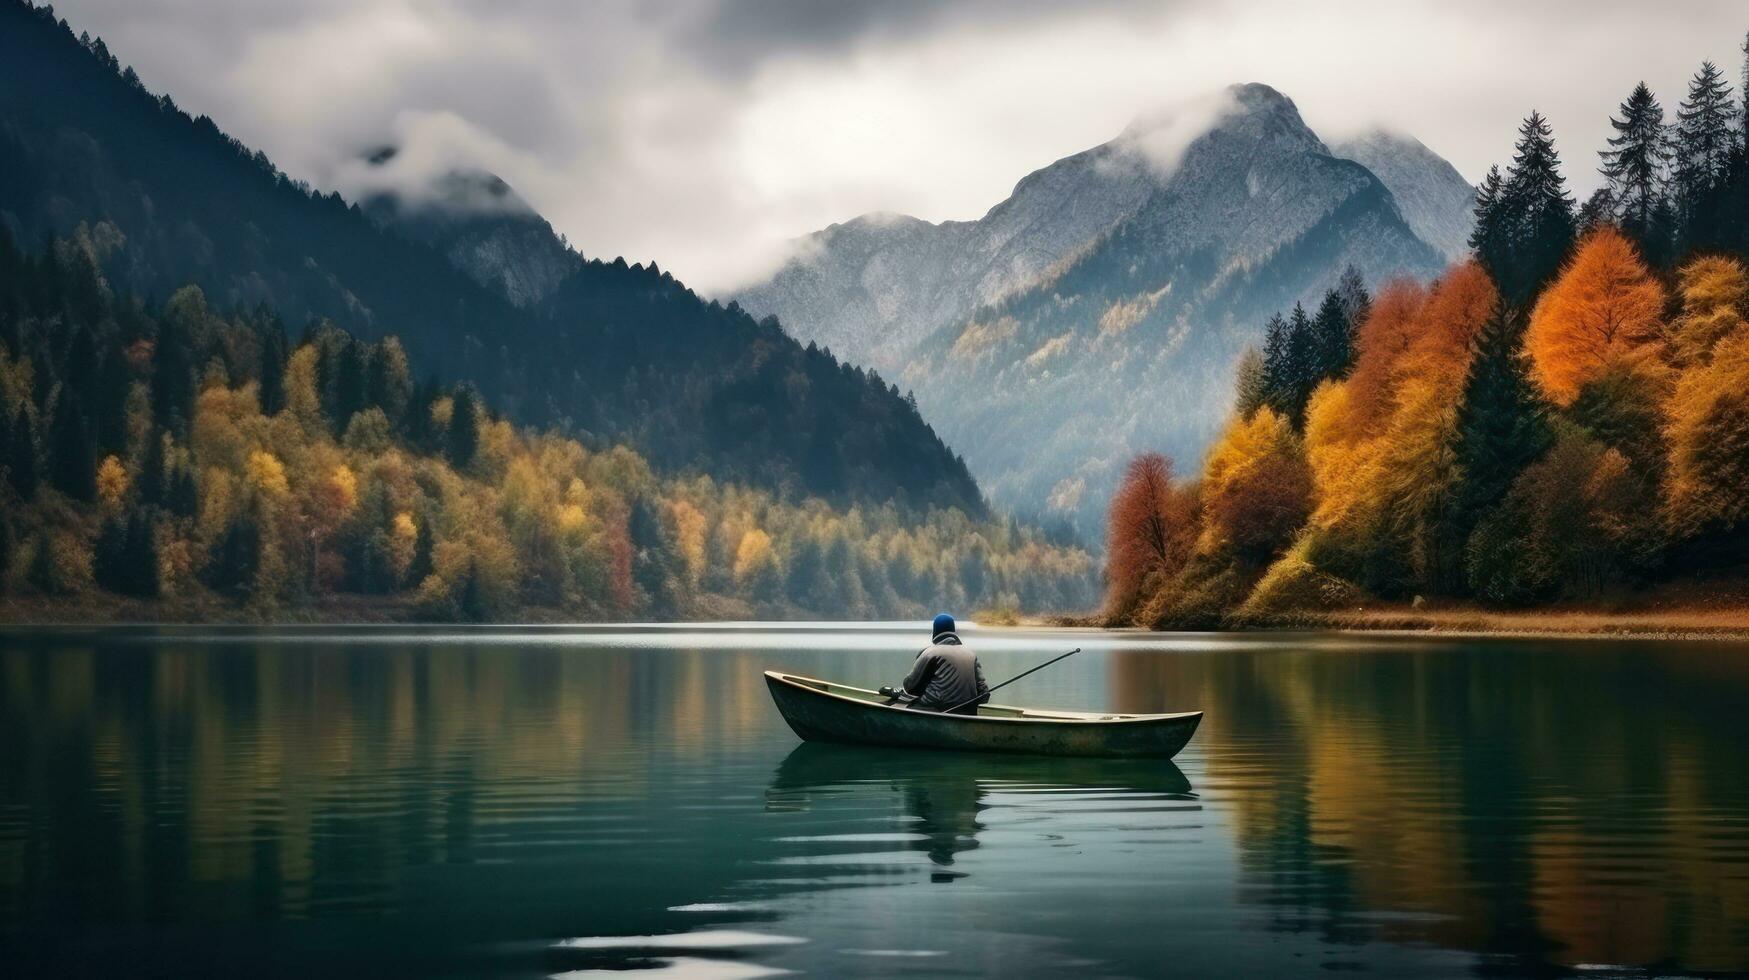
(946, 675)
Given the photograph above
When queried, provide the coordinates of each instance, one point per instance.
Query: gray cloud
(705, 133)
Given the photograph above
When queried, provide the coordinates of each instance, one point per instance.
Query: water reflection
(399, 804)
(942, 794)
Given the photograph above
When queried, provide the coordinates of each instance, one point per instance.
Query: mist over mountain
(609, 351)
(1434, 198)
(1100, 309)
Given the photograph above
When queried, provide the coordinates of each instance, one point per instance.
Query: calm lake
(392, 802)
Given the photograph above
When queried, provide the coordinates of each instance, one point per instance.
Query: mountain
(484, 228)
(609, 351)
(1434, 198)
(1100, 309)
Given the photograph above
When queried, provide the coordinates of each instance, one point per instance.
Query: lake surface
(388, 802)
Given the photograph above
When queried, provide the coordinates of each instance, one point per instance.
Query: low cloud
(707, 134)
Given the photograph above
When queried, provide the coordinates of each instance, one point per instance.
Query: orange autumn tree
(1604, 311)
(1379, 443)
(1151, 531)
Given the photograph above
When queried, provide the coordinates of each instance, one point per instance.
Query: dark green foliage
(272, 376)
(1502, 425)
(109, 402)
(1705, 139)
(22, 455)
(153, 483)
(1332, 339)
(350, 384)
(5, 554)
(1525, 222)
(464, 431)
(184, 498)
(237, 559)
(1636, 160)
(72, 466)
(472, 605)
(173, 378)
(653, 561)
(423, 542)
(126, 559)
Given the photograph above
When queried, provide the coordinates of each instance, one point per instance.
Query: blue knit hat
(943, 624)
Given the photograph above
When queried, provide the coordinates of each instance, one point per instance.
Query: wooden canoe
(821, 711)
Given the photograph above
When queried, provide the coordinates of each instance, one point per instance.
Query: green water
(385, 803)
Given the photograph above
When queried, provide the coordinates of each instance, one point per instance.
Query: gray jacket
(946, 674)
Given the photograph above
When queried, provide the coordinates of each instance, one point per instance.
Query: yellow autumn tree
(1605, 309)
(112, 482)
(1715, 304)
(1707, 430)
(1255, 487)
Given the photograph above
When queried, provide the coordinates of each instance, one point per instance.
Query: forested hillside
(192, 462)
(615, 353)
(1562, 417)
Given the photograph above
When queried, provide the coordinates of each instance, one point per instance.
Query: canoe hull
(820, 715)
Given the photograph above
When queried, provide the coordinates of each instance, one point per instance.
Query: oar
(1011, 680)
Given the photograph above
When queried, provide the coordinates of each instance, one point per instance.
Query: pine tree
(1486, 233)
(24, 471)
(1249, 388)
(1302, 365)
(423, 542)
(1356, 301)
(1502, 425)
(140, 557)
(273, 357)
(350, 384)
(1637, 161)
(184, 496)
(1704, 137)
(5, 553)
(1332, 340)
(72, 461)
(464, 431)
(153, 485)
(1275, 366)
(1537, 213)
(173, 378)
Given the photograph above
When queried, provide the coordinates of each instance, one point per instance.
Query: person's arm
(983, 688)
(917, 681)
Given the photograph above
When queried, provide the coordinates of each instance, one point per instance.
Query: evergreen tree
(184, 496)
(153, 481)
(652, 564)
(1598, 209)
(423, 541)
(110, 402)
(23, 471)
(472, 604)
(1487, 233)
(1356, 301)
(237, 559)
(72, 463)
(1332, 340)
(140, 557)
(273, 358)
(1537, 214)
(464, 431)
(173, 378)
(350, 384)
(1502, 425)
(1275, 366)
(1636, 163)
(1250, 390)
(5, 553)
(1704, 137)
(1300, 371)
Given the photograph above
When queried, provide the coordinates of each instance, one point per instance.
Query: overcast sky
(704, 133)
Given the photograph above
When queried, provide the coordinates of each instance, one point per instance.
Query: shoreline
(1720, 622)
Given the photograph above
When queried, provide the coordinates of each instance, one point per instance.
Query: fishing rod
(1011, 680)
